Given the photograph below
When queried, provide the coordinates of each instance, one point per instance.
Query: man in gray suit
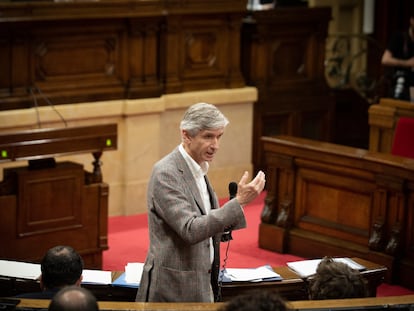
(184, 219)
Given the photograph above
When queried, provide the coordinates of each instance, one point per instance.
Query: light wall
(147, 130)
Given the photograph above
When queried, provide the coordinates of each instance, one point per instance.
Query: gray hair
(202, 116)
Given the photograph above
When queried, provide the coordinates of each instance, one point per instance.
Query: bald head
(73, 298)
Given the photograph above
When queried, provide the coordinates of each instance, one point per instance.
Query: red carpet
(128, 242)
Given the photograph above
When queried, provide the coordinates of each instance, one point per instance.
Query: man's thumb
(244, 178)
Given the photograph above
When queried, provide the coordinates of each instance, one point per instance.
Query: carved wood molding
(21, 11)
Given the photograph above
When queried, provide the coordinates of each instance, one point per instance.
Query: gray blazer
(178, 267)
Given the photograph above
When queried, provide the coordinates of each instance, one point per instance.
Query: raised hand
(247, 192)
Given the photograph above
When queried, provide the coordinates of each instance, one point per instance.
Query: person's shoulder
(169, 160)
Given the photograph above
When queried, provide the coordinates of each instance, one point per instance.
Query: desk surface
(292, 287)
(344, 304)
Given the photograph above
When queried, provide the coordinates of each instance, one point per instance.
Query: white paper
(250, 274)
(351, 263)
(306, 268)
(96, 276)
(133, 272)
(32, 271)
(22, 270)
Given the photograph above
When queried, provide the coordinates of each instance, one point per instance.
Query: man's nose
(216, 143)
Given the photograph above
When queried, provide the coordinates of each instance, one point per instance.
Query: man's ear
(185, 136)
(79, 281)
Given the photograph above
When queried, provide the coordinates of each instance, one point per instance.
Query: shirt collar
(196, 169)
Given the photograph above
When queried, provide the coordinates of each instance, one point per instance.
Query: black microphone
(232, 194)
(232, 190)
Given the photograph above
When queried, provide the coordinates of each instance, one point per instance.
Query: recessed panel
(50, 199)
(341, 207)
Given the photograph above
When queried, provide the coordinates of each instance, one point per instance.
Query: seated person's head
(61, 266)
(336, 280)
(73, 298)
(256, 300)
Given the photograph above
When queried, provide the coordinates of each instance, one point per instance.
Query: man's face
(204, 145)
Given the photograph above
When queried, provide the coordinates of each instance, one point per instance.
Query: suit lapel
(213, 202)
(190, 181)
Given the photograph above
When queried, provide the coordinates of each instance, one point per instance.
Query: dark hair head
(61, 266)
(257, 300)
(73, 298)
(336, 280)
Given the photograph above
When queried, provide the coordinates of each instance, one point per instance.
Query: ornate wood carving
(376, 240)
(284, 215)
(269, 213)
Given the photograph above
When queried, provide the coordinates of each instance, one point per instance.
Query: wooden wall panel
(283, 56)
(203, 50)
(143, 68)
(90, 51)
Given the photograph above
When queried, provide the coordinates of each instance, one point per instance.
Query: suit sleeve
(174, 201)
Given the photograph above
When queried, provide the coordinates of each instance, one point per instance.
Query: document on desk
(32, 271)
(21, 270)
(260, 274)
(307, 268)
(132, 275)
(96, 277)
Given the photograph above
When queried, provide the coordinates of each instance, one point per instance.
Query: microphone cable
(223, 268)
(226, 237)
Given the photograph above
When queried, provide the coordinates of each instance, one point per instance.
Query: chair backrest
(403, 142)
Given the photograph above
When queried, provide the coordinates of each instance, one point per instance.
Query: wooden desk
(374, 274)
(377, 303)
(325, 199)
(292, 287)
